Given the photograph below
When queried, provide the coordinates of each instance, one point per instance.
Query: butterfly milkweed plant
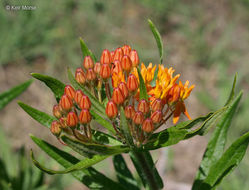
(116, 106)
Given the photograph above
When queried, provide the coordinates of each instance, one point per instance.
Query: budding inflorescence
(117, 75)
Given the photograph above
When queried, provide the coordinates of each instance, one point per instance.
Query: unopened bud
(55, 128)
(105, 57)
(118, 54)
(85, 116)
(156, 116)
(157, 105)
(126, 63)
(132, 83)
(90, 75)
(143, 106)
(134, 58)
(129, 112)
(148, 125)
(126, 49)
(66, 102)
(138, 118)
(78, 96)
(72, 119)
(111, 109)
(69, 91)
(116, 67)
(105, 71)
(79, 69)
(85, 102)
(117, 96)
(112, 56)
(124, 89)
(57, 111)
(80, 77)
(88, 62)
(63, 122)
(97, 68)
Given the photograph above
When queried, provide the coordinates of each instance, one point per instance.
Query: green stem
(146, 169)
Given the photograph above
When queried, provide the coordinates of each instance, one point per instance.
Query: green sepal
(55, 85)
(12, 93)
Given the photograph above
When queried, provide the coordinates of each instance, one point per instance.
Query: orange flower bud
(69, 91)
(66, 102)
(148, 125)
(72, 119)
(63, 122)
(143, 106)
(116, 67)
(85, 102)
(90, 75)
(112, 56)
(126, 63)
(156, 116)
(126, 49)
(157, 105)
(129, 112)
(105, 71)
(57, 111)
(97, 68)
(79, 69)
(117, 96)
(78, 96)
(134, 58)
(80, 77)
(118, 54)
(132, 83)
(138, 118)
(111, 109)
(174, 94)
(124, 89)
(55, 128)
(88, 62)
(105, 57)
(85, 116)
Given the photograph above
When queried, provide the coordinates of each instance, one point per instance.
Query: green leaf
(229, 160)
(146, 169)
(92, 149)
(86, 51)
(125, 128)
(123, 173)
(96, 105)
(143, 91)
(103, 122)
(90, 177)
(104, 138)
(55, 85)
(83, 164)
(158, 39)
(12, 93)
(216, 143)
(231, 96)
(37, 115)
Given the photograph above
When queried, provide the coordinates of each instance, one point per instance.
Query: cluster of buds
(117, 73)
(72, 114)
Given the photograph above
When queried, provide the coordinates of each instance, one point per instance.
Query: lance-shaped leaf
(228, 161)
(9, 95)
(86, 51)
(97, 106)
(37, 115)
(231, 96)
(55, 85)
(146, 169)
(104, 138)
(123, 173)
(90, 177)
(92, 149)
(158, 39)
(125, 128)
(216, 143)
(142, 88)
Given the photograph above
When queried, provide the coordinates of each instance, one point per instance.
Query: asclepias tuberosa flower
(115, 105)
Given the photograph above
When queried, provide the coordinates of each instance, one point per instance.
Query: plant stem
(146, 169)
(107, 90)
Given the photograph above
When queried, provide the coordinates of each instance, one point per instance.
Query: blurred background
(206, 41)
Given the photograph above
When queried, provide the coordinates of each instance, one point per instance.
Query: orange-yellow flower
(117, 78)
